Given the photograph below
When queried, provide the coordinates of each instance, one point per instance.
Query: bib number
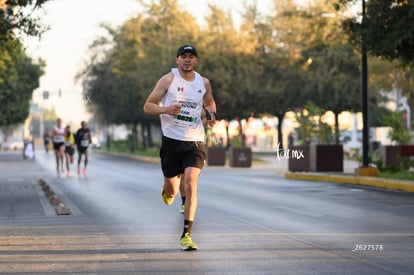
(187, 118)
(58, 139)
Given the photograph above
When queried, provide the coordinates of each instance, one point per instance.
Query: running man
(83, 139)
(183, 92)
(69, 148)
(58, 138)
(46, 140)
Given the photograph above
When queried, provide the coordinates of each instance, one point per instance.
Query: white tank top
(187, 126)
(59, 135)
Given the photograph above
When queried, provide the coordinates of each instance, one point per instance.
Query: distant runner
(58, 138)
(46, 141)
(83, 139)
(69, 148)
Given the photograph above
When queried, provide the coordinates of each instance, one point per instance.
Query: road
(249, 221)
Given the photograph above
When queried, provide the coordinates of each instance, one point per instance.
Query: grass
(388, 173)
(123, 146)
(397, 175)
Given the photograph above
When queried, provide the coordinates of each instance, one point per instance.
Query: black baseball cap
(185, 49)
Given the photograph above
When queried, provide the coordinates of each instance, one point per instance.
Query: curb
(403, 185)
(60, 208)
(131, 156)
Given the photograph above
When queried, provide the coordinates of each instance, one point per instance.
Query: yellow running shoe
(187, 243)
(182, 208)
(167, 200)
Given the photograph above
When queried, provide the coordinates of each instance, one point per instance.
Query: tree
(389, 78)
(387, 28)
(301, 37)
(274, 64)
(398, 132)
(311, 124)
(318, 65)
(18, 16)
(388, 34)
(334, 81)
(226, 64)
(133, 59)
(19, 76)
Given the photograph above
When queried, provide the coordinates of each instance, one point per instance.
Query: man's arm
(152, 106)
(72, 140)
(77, 138)
(209, 103)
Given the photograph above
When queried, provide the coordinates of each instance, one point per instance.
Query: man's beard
(187, 69)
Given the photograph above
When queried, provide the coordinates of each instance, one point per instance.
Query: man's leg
(191, 175)
(85, 162)
(171, 169)
(86, 158)
(182, 192)
(79, 160)
(67, 158)
(57, 159)
(62, 156)
(170, 189)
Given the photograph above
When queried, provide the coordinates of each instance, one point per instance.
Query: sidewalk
(23, 193)
(19, 193)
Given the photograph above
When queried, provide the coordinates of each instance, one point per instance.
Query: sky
(73, 26)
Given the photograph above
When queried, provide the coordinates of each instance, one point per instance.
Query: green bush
(236, 142)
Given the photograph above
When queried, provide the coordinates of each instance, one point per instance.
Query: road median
(395, 184)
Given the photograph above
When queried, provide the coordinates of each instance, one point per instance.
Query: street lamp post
(364, 88)
(365, 169)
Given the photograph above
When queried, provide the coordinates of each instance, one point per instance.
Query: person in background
(46, 141)
(83, 139)
(69, 148)
(291, 139)
(58, 138)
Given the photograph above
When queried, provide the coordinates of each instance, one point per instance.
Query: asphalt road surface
(249, 221)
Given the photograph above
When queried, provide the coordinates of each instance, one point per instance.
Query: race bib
(58, 139)
(67, 143)
(186, 118)
(84, 143)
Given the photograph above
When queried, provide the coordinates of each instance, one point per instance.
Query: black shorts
(57, 145)
(69, 150)
(177, 155)
(82, 150)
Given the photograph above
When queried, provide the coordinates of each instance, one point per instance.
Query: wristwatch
(208, 114)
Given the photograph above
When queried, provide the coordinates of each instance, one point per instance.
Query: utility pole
(364, 88)
(365, 169)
